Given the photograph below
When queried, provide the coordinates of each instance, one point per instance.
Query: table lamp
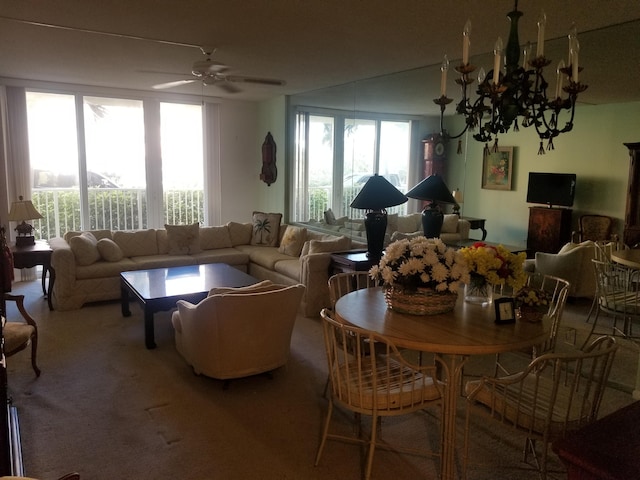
(21, 211)
(459, 198)
(376, 195)
(434, 190)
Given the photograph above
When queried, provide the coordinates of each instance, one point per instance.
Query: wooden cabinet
(631, 234)
(549, 229)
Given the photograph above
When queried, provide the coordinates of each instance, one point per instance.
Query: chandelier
(518, 94)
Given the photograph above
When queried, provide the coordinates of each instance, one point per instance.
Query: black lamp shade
(435, 190)
(376, 195)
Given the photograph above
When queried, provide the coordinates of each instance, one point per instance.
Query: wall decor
(269, 172)
(497, 169)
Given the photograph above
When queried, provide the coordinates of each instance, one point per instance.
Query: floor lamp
(376, 195)
(434, 190)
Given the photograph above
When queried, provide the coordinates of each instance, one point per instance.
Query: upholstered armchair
(238, 332)
(571, 263)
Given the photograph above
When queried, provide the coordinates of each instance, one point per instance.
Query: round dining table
(452, 337)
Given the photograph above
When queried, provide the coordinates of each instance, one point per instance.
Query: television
(551, 188)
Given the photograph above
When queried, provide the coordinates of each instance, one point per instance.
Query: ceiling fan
(210, 72)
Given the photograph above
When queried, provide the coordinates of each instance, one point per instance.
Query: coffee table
(158, 289)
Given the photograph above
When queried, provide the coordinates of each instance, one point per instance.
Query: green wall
(593, 150)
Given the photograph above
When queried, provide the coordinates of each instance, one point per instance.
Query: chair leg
(325, 431)
(34, 351)
(372, 446)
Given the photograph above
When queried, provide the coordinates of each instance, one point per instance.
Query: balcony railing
(319, 203)
(110, 209)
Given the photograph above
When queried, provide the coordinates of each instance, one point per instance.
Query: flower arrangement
(422, 262)
(529, 296)
(495, 265)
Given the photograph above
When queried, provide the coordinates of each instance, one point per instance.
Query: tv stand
(549, 229)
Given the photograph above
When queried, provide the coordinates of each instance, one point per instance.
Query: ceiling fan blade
(177, 83)
(262, 81)
(223, 84)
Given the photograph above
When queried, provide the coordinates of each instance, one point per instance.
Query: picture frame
(497, 169)
(505, 310)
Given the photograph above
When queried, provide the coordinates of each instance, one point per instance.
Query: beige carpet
(110, 409)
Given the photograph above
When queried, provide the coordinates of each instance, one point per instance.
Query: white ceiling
(311, 44)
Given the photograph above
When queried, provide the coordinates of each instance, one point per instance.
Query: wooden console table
(33, 255)
(477, 224)
(351, 261)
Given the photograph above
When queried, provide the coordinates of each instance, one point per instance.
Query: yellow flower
(496, 264)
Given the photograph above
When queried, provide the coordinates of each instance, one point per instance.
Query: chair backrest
(617, 288)
(556, 393)
(557, 289)
(367, 373)
(604, 249)
(342, 283)
(595, 227)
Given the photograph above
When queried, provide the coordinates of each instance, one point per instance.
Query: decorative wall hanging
(497, 169)
(269, 171)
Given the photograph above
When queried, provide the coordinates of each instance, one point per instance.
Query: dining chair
(342, 283)
(556, 393)
(593, 227)
(18, 335)
(376, 383)
(557, 289)
(617, 296)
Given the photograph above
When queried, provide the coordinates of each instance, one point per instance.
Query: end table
(351, 261)
(38, 254)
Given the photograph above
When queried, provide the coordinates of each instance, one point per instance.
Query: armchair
(572, 263)
(236, 333)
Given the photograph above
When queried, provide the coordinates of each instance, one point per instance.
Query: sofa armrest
(314, 275)
(63, 262)
(463, 229)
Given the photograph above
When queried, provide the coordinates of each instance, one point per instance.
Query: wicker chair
(342, 283)
(556, 393)
(558, 289)
(373, 384)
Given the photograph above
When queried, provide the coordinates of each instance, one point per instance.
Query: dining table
(469, 329)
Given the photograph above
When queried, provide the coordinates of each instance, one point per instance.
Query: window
(333, 169)
(93, 173)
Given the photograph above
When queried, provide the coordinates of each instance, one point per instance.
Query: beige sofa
(83, 276)
(238, 332)
(454, 229)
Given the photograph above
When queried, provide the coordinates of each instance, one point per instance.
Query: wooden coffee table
(159, 289)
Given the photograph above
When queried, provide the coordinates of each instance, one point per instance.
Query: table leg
(52, 279)
(452, 376)
(124, 301)
(149, 334)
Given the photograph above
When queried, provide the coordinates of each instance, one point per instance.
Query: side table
(351, 261)
(477, 224)
(38, 254)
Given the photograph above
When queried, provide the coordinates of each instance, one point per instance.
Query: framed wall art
(497, 169)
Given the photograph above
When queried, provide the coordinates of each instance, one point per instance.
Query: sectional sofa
(87, 264)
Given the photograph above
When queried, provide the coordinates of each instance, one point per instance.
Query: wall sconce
(434, 190)
(21, 211)
(376, 195)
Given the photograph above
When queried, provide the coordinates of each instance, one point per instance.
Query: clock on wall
(434, 155)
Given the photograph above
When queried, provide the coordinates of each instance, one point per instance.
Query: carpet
(108, 408)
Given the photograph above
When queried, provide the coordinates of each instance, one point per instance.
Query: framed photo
(505, 310)
(497, 169)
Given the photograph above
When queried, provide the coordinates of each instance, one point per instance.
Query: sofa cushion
(183, 239)
(99, 234)
(327, 246)
(266, 229)
(230, 256)
(214, 237)
(290, 268)
(450, 223)
(240, 233)
(263, 256)
(85, 248)
(137, 242)
(409, 223)
(293, 240)
(329, 217)
(109, 250)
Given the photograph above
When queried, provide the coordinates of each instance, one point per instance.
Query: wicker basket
(530, 314)
(423, 301)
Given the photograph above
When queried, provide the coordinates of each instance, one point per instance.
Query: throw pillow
(401, 235)
(328, 246)
(214, 237)
(85, 248)
(109, 250)
(256, 287)
(292, 241)
(329, 217)
(266, 229)
(450, 224)
(240, 233)
(183, 239)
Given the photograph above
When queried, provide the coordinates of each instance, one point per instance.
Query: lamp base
(375, 224)
(432, 219)
(27, 241)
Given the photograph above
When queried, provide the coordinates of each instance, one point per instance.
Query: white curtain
(17, 145)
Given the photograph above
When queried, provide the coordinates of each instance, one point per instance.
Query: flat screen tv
(552, 189)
